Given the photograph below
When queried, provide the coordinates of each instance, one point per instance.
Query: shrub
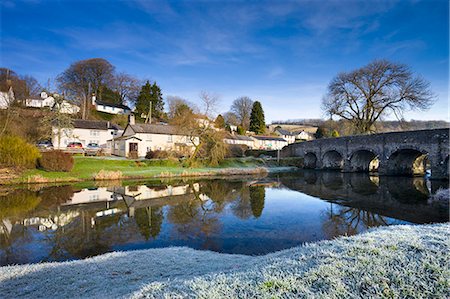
(56, 161)
(16, 152)
(236, 150)
(160, 154)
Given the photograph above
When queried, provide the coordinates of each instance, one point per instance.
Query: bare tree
(85, 77)
(231, 119)
(57, 123)
(381, 88)
(127, 87)
(207, 142)
(33, 88)
(242, 108)
(175, 102)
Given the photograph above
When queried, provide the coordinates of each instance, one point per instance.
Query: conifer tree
(257, 123)
(150, 93)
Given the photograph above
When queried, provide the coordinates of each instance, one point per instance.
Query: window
(94, 133)
(169, 139)
(149, 138)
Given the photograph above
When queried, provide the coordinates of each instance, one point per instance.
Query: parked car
(93, 146)
(75, 145)
(92, 149)
(45, 144)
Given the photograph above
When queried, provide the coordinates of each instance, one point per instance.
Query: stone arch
(310, 160)
(408, 161)
(446, 167)
(332, 160)
(364, 160)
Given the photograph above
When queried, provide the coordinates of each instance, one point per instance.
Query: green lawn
(86, 167)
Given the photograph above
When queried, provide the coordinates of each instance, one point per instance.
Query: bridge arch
(408, 161)
(332, 160)
(364, 160)
(310, 160)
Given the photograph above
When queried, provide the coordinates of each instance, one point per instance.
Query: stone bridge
(396, 153)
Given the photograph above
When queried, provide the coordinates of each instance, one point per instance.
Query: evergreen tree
(220, 122)
(109, 96)
(240, 130)
(150, 93)
(257, 123)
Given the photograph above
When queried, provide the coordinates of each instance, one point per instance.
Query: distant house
(269, 142)
(109, 107)
(292, 137)
(46, 100)
(86, 131)
(240, 140)
(43, 101)
(304, 136)
(6, 98)
(286, 135)
(138, 139)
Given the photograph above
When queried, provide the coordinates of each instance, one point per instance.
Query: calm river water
(245, 215)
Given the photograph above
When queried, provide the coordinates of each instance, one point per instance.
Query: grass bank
(388, 262)
(109, 168)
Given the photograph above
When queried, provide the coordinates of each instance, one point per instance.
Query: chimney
(93, 98)
(131, 119)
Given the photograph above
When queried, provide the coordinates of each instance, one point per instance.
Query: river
(239, 215)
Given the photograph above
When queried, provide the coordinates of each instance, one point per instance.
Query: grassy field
(109, 168)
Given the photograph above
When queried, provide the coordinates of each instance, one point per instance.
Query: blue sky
(282, 53)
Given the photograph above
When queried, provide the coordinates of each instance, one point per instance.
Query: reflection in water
(251, 216)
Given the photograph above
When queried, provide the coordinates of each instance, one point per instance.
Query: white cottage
(240, 140)
(269, 142)
(110, 108)
(86, 131)
(6, 98)
(138, 139)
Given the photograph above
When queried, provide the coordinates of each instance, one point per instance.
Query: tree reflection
(149, 221)
(257, 199)
(241, 206)
(195, 217)
(342, 220)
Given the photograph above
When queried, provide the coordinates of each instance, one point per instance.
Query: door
(133, 150)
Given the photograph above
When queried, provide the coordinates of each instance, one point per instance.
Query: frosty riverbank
(396, 261)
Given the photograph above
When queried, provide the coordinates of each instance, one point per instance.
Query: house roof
(285, 132)
(156, 129)
(269, 138)
(94, 124)
(124, 107)
(239, 137)
(125, 138)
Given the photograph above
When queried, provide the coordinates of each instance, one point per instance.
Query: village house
(6, 98)
(269, 142)
(286, 135)
(139, 139)
(292, 137)
(85, 132)
(109, 107)
(43, 101)
(240, 140)
(48, 101)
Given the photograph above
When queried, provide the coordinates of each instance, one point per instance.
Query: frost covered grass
(389, 262)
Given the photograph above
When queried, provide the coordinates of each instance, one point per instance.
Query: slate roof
(124, 107)
(156, 129)
(94, 124)
(239, 137)
(269, 138)
(286, 132)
